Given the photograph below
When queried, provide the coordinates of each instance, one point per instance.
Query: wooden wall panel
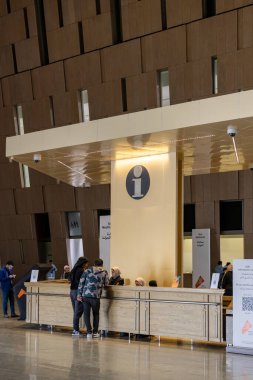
(32, 23)
(248, 244)
(140, 18)
(245, 184)
(198, 79)
(7, 202)
(77, 10)
(24, 226)
(58, 48)
(227, 73)
(177, 84)
(67, 109)
(3, 159)
(95, 197)
(183, 11)
(19, 4)
(1, 96)
(51, 14)
(29, 200)
(30, 252)
(3, 8)
(39, 179)
(59, 253)
(121, 61)
(6, 61)
(9, 175)
(12, 28)
(197, 188)
(17, 89)
(36, 115)
(245, 27)
(97, 32)
(215, 250)
(59, 198)
(228, 185)
(164, 49)
(10, 250)
(99, 108)
(27, 54)
(89, 222)
(7, 126)
(187, 194)
(58, 223)
(142, 92)
(48, 80)
(247, 216)
(204, 215)
(245, 68)
(83, 71)
(228, 5)
(212, 36)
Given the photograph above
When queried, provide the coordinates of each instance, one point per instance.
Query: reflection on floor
(32, 354)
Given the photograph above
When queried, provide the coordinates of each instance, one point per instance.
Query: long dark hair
(79, 264)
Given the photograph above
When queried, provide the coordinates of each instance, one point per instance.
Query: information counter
(172, 312)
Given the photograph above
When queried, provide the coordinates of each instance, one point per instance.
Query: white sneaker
(96, 335)
(75, 333)
(89, 336)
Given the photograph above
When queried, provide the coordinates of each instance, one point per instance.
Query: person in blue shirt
(6, 279)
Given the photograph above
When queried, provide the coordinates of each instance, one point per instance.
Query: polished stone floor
(32, 354)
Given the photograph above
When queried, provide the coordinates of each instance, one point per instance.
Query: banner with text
(201, 258)
(104, 240)
(243, 303)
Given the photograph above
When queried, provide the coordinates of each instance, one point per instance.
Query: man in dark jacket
(6, 279)
(89, 292)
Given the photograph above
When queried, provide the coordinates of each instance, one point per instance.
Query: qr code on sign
(247, 303)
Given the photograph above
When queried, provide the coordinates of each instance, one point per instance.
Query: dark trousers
(94, 304)
(8, 295)
(77, 308)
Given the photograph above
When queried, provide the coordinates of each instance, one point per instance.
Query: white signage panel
(243, 303)
(34, 275)
(201, 275)
(104, 240)
(215, 280)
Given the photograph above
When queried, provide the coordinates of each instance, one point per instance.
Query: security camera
(231, 131)
(86, 184)
(37, 157)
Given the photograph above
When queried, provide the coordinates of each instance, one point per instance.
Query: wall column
(144, 232)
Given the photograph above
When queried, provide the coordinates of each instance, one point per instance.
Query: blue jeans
(8, 295)
(77, 308)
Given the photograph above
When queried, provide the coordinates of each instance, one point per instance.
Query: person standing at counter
(6, 279)
(115, 278)
(74, 278)
(89, 293)
(227, 281)
(66, 273)
(219, 267)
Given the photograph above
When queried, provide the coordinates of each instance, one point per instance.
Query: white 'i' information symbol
(137, 182)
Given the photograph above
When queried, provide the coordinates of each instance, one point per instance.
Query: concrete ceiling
(196, 130)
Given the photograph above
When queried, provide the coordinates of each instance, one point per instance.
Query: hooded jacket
(92, 282)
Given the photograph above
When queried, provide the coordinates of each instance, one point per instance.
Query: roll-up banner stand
(242, 307)
(104, 240)
(201, 258)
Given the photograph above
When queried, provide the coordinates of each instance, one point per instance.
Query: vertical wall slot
(209, 8)
(117, 35)
(98, 7)
(81, 41)
(59, 3)
(124, 94)
(14, 58)
(27, 32)
(41, 27)
(164, 14)
(8, 5)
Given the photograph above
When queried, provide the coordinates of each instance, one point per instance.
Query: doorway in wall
(43, 237)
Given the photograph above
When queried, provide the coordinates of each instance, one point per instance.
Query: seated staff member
(227, 281)
(115, 279)
(139, 281)
(75, 275)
